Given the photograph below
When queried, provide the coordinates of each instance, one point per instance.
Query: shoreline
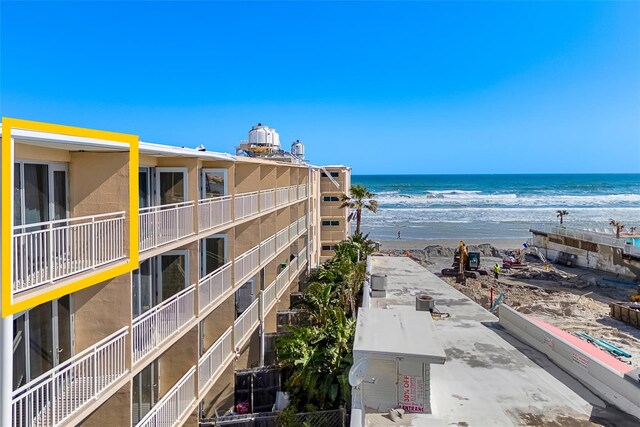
(407, 244)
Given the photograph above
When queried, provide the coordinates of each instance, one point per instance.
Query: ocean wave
(444, 192)
(511, 199)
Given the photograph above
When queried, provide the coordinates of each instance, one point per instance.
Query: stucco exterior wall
(177, 360)
(91, 321)
(40, 154)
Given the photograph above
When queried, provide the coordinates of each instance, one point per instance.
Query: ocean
(496, 206)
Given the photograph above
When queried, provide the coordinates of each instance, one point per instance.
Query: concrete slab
(394, 333)
(489, 378)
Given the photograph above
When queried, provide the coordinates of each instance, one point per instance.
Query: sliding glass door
(42, 339)
(213, 183)
(171, 185)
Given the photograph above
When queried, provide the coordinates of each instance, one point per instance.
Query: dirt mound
(485, 249)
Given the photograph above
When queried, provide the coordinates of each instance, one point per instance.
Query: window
(333, 174)
(328, 248)
(330, 223)
(330, 199)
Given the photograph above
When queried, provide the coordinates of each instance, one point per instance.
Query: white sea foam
(510, 199)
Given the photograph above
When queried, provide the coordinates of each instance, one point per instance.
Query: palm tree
(316, 355)
(633, 229)
(561, 214)
(360, 198)
(618, 225)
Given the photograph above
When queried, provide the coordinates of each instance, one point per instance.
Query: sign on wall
(411, 393)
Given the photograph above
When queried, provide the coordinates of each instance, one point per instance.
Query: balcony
(267, 250)
(153, 328)
(267, 200)
(214, 212)
(215, 360)
(245, 324)
(282, 196)
(170, 410)
(246, 265)
(293, 193)
(269, 297)
(49, 251)
(164, 224)
(293, 230)
(282, 282)
(214, 287)
(302, 192)
(54, 397)
(282, 239)
(246, 205)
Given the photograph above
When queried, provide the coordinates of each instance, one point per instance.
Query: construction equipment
(517, 260)
(465, 264)
(636, 297)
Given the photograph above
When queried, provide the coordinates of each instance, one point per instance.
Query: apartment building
(137, 277)
(334, 220)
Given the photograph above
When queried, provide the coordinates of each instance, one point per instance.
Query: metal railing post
(50, 248)
(93, 242)
(95, 373)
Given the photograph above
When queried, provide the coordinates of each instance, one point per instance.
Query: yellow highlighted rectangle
(6, 215)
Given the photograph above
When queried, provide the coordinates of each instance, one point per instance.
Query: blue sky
(415, 87)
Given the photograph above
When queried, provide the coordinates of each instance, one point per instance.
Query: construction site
(576, 300)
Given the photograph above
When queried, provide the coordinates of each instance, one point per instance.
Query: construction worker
(496, 271)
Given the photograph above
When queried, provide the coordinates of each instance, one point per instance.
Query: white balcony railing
(269, 296)
(215, 360)
(282, 239)
(302, 256)
(246, 264)
(293, 266)
(246, 204)
(267, 200)
(52, 398)
(48, 251)
(214, 286)
(282, 280)
(245, 324)
(153, 328)
(293, 193)
(302, 192)
(293, 230)
(174, 405)
(164, 224)
(267, 250)
(214, 212)
(282, 196)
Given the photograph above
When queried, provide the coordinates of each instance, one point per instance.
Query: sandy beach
(406, 244)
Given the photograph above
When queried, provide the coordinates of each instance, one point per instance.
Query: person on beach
(398, 234)
(496, 271)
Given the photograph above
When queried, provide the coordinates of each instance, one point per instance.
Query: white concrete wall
(613, 387)
(603, 260)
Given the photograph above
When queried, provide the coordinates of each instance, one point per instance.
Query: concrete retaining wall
(610, 379)
(607, 258)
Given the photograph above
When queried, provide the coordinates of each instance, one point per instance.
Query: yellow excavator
(465, 264)
(636, 297)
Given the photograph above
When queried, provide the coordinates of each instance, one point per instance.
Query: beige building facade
(334, 220)
(137, 277)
